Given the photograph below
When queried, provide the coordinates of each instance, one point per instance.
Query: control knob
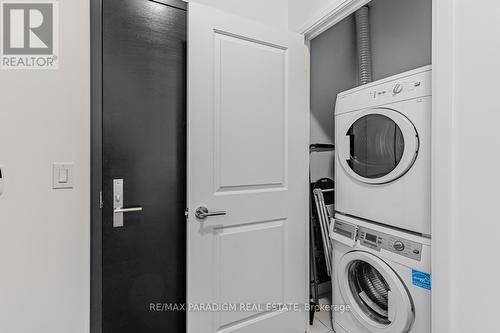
(398, 246)
(397, 88)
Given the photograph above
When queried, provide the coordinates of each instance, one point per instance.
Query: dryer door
(377, 296)
(380, 145)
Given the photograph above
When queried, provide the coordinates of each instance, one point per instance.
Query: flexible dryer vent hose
(364, 49)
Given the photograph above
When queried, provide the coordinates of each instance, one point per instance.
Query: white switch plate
(62, 175)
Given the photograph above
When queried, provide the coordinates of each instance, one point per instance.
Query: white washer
(383, 151)
(380, 279)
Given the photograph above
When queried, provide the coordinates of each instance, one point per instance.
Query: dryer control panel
(378, 240)
(411, 85)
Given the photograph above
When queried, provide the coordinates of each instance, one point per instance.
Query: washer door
(375, 293)
(378, 146)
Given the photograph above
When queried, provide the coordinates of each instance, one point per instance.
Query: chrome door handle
(202, 213)
(127, 210)
(118, 209)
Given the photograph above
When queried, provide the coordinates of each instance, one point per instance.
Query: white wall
(44, 233)
(271, 12)
(467, 119)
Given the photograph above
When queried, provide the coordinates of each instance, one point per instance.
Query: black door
(144, 143)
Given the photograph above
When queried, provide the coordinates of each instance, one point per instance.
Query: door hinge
(100, 200)
(186, 213)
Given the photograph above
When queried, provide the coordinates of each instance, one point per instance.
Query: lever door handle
(202, 213)
(118, 209)
(127, 210)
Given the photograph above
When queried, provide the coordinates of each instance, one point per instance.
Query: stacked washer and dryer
(381, 230)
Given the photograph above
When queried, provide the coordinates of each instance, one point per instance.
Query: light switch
(62, 175)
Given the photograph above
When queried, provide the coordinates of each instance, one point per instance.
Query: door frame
(95, 166)
(96, 158)
(443, 87)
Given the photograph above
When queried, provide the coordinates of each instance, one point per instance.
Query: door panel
(144, 143)
(249, 87)
(247, 283)
(248, 123)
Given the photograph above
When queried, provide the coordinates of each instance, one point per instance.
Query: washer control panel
(378, 240)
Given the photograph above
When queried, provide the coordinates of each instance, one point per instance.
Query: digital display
(371, 238)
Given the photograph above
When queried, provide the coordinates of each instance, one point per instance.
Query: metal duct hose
(364, 49)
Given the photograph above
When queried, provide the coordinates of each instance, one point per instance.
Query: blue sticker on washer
(421, 279)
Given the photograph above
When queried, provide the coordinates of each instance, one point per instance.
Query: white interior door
(248, 139)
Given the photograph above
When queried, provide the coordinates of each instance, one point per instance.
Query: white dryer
(383, 151)
(381, 279)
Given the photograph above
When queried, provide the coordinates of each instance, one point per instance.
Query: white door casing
(247, 156)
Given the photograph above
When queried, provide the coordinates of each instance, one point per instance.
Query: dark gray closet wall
(333, 69)
(401, 40)
(401, 35)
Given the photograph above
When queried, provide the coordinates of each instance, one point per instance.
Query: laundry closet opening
(370, 169)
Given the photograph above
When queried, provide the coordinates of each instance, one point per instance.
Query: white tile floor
(322, 320)
(319, 327)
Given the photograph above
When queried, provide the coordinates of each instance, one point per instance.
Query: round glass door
(370, 291)
(376, 146)
(380, 146)
(376, 294)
